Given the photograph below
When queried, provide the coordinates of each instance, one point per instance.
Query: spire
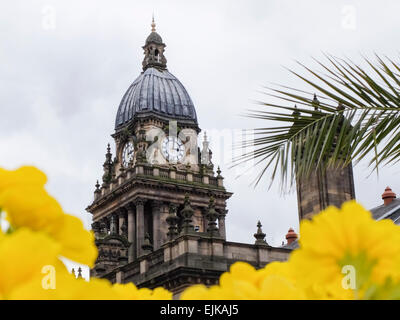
(113, 224)
(107, 167)
(79, 273)
(205, 154)
(172, 220)
(260, 235)
(212, 216)
(315, 102)
(187, 213)
(296, 112)
(154, 50)
(153, 25)
(97, 191)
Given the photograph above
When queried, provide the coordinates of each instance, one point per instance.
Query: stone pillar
(221, 223)
(155, 209)
(113, 224)
(140, 232)
(205, 220)
(164, 212)
(131, 233)
(121, 221)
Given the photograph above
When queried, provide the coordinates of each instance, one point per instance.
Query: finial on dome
(260, 235)
(153, 25)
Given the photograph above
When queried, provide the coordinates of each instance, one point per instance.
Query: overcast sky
(65, 66)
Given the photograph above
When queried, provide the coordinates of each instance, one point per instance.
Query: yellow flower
(66, 287)
(276, 287)
(245, 282)
(29, 205)
(69, 288)
(23, 254)
(130, 292)
(77, 242)
(24, 176)
(336, 242)
(40, 233)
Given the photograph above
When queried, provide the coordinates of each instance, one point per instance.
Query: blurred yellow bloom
(27, 204)
(31, 207)
(345, 238)
(77, 242)
(69, 288)
(23, 254)
(245, 282)
(41, 232)
(22, 177)
(332, 244)
(130, 292)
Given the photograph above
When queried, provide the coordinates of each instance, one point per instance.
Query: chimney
(388, 196)
(291, 236)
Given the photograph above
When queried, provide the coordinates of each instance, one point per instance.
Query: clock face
(127, 153)
(173, 149)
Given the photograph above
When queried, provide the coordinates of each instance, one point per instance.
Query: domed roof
(154, 37)
(156, 92)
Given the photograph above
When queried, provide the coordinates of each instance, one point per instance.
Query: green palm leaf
(353, 116)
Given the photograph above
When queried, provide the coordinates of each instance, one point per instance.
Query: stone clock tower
(159, 213)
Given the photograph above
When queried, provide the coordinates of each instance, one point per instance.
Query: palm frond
(354, 115)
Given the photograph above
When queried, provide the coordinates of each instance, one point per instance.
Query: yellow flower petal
(23, 254)
(24, 176)
(77, 243)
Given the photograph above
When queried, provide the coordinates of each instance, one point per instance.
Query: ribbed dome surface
(156, 92)
(154, 37)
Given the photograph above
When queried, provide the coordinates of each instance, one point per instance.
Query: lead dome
(156, 92)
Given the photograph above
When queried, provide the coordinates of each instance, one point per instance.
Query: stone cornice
(161, 184)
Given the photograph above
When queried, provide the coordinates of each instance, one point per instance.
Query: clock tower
(158, 170)
(159, 213)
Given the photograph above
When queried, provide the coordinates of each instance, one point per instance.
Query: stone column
(113, 224)
(205, 220)
(155, 209)
(160, 226)
(140, 232)
(221, 223)
(131, 233)
(164, 212)
(121, 220)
